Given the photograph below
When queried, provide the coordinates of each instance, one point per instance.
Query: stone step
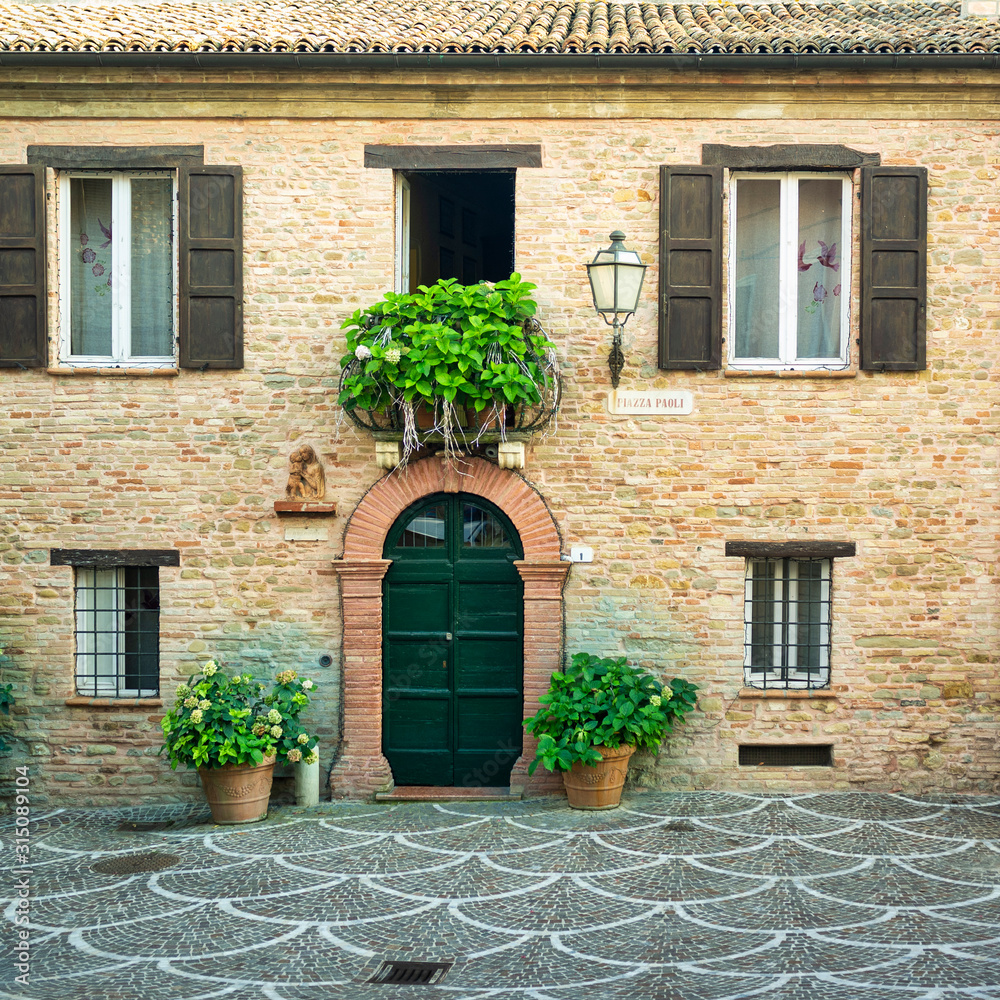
(435, 793)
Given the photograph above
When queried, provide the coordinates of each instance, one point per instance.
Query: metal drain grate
(130, 864)
(411, 973)
(803, 755)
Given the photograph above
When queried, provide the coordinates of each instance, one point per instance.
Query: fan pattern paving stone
(697, 896)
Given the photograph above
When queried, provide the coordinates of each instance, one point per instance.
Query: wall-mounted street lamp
(615, 281)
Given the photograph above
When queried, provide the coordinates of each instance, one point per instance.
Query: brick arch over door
(361, 768)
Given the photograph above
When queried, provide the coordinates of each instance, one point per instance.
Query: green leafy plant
(6, 700)
(604, 702)
(220, 720)
(454, 349)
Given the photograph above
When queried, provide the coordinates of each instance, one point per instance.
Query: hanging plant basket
(450, 366)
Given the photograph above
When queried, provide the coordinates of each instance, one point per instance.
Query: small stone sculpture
(306, 479)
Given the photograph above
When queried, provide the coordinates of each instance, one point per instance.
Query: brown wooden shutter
(211, 267)
(691, 267)
(894, 268)
(22, 266)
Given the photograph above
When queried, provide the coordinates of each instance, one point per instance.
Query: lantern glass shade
(616, 280)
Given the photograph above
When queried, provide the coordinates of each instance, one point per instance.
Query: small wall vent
(784, 755)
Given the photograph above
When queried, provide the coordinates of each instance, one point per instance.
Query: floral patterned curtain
(91, 266)
(818, 321)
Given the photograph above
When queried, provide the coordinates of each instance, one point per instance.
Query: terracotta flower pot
(598, 786)
(238, 793)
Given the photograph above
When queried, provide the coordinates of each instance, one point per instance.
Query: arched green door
(453, 629)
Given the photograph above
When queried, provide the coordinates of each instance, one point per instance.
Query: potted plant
(596, 714)
(448, 362)
(232, 732)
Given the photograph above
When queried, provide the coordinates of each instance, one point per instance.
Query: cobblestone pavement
(691, 896)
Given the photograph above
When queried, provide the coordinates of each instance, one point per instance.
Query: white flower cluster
(210, 668)
(362, 353)
(655, 699)
(393, 355)
(274, 716)
(196, 716)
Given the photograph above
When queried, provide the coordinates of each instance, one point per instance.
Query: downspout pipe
(678, 61)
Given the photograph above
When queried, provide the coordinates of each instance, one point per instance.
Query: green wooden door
(453, 616)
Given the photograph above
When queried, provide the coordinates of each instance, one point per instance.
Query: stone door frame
(361, 768)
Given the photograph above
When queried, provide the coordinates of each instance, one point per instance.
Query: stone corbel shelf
(305, 508)
(510, 450)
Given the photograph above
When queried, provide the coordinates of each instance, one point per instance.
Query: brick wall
(903, 464)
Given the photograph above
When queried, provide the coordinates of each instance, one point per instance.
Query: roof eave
(503, 61)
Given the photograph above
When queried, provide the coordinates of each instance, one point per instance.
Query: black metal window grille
(425, 530)
(118, 632)
(481, 530)
(787, 623)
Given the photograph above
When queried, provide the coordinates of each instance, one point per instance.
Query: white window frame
(403, 262)
(121, 305)
(100, 634)
(788, 271)
(784, 672)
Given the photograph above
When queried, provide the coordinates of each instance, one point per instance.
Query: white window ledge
(127, 370)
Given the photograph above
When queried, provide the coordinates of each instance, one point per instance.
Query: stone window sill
(130, 372)
(789, 373)
(84, 702)
(305, 508)
(786, 693)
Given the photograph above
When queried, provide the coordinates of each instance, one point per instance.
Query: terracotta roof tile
(549, 26)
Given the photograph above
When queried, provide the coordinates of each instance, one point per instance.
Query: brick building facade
(871, 463)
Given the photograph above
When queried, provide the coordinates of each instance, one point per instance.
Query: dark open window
(455, 224)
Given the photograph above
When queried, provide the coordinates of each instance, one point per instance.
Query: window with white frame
(790, 270)
(118, 631)
(118, 263)
(787, 623)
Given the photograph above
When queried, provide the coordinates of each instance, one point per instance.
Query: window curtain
(819, 273)
(90, 266)
(96, 278)
(758, 249)
(152, 267)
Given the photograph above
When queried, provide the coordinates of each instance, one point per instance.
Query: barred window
(787, 623)
(118, 631)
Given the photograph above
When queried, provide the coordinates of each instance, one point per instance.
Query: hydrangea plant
(604, 702)
(220, 719)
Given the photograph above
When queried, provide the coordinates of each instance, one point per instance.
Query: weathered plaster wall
(903, 464)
